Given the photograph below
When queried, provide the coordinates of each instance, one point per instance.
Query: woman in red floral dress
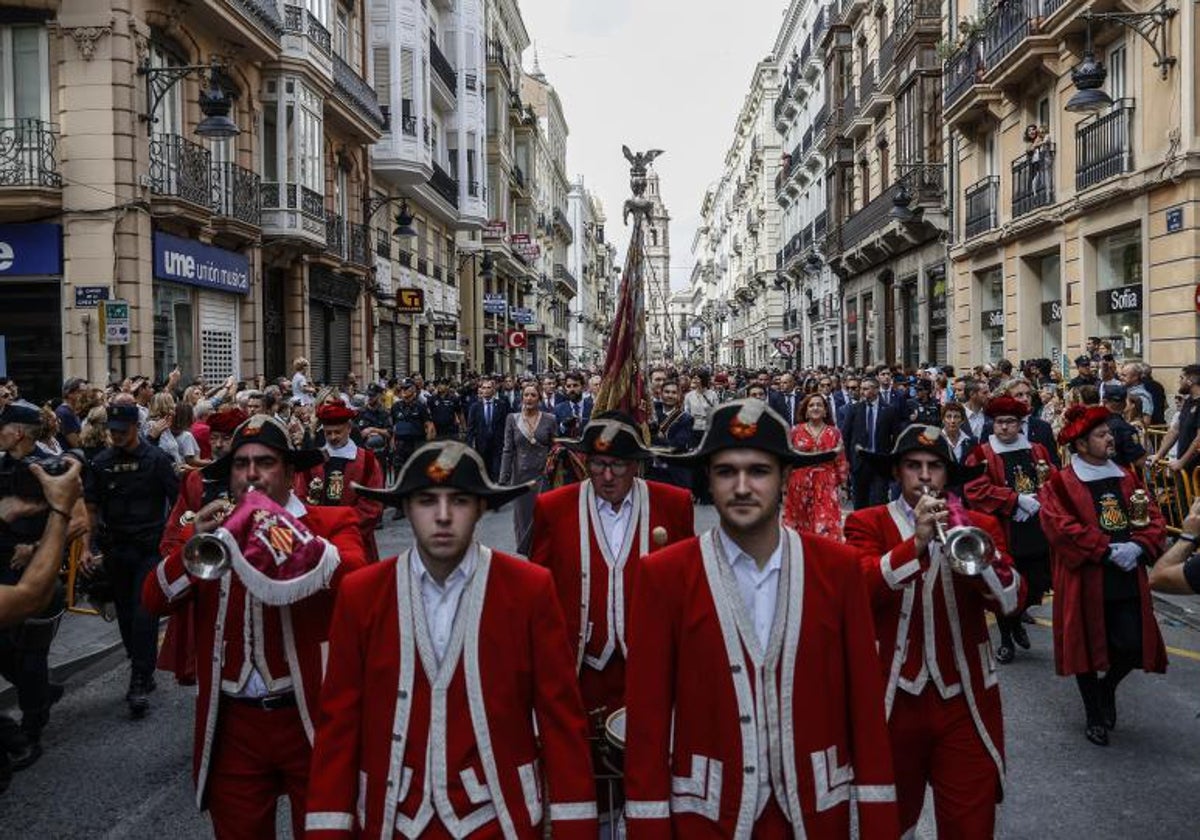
(813, 500)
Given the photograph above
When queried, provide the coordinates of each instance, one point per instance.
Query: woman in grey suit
(528, 435)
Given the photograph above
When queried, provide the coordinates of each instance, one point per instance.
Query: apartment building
(1075, 198)
(590, 259)
(744, 303)
(230, 239)
(885, 179)
(812, 303)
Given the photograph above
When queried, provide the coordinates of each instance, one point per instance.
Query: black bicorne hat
(749, 424)
(264, 429)
(921, 438)
(613, 434)
(445, 464)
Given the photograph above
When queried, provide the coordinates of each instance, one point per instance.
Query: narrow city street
(104, 776)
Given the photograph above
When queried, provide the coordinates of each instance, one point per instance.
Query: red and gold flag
(623, 383)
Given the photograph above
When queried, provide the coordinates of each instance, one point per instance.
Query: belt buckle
(271, 702)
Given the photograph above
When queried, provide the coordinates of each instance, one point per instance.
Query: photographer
(1178, 569)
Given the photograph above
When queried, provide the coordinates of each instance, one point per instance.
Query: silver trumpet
(969, 550)
(205, 556)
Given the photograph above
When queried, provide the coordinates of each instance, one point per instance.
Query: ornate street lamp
(215, 101)
(1089, 75)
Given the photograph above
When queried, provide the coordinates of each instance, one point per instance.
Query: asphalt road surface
(104, 776)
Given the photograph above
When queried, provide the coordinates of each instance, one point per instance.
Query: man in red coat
(345, 466)
(1016, 469)
(943, 696)
(449, 709)
(591, 536)
(749, 710)
(1104, 530)
(263, 647)
(178, 651)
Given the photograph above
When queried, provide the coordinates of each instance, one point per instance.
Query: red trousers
(934, 742)
(603, 688)
(258, 756)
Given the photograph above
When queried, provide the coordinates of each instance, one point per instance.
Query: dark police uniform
(134, 493)
(408, 428)
(1127, 442)
(444, 412)
(925, 413)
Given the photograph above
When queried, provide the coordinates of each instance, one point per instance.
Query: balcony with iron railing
(181, 170)
(565, 278)
(870, 219)
(335, 235)
(914, 18)
(28, 150)
(299, 21)
(925, 183)
(293, 210)
(1033, 180)
(442, 68)
(444, 185)
(1104, 145)
(963, 71)
(1015, 45)
(887, 62)
(352, 89)
(982, 201)
(563, 226)
(236, 193)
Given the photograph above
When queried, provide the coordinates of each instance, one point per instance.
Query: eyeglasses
(617, 468)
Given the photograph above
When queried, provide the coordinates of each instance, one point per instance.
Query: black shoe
(1097, 734)
(57, 690)
(138, 697)
(1020, 636)
(1026, 618)
(5, 772)
(1108, 705)
(17, 747)
(26, 757)
(1005, 653)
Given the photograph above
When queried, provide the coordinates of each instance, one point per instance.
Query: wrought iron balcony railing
(910, 13)
(982, 199)
(318, 34)
(887, 54)
(236, 193)
(181, 169)
(265, 13)
(27, 154)
(335, 235)
(444, 185)
(442, 66)
(1033, 180)
(562, 275)
(354, 90)
(962, 72)
(925, 182)
(358, 244)
(870, 218)
(1103, 145)
(1007, 26)
(292, 196)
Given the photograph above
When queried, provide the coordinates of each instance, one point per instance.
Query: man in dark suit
(871, 425)
(485, 426)
(891, 394)
(1035, 429)
(550, 395)
(844, 399)
(574, 412)
(786, 399)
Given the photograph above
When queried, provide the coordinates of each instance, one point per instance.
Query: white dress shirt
(615, 521)
(759, 588)
(975, 420)
(349, 451)
(440, 600)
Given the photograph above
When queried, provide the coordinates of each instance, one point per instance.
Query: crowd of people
(458, 686)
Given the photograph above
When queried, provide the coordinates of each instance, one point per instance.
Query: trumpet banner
(623, 382)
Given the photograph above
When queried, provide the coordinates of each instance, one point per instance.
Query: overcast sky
(665, 74)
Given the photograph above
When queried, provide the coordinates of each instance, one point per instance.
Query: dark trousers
(28, 669)
(127, 566)
(870, 488)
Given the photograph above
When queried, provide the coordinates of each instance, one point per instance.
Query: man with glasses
(849, 396)
(592, 536)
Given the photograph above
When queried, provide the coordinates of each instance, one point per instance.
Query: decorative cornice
(86, 38)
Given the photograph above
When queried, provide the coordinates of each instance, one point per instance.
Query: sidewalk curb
(1177, 612)
(65, 670)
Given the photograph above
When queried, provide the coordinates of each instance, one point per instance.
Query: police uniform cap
(121, 417)
(1115, 393)
(21, 412)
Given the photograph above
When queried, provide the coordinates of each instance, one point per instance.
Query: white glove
(1029, 503)
(1124, 555)
(1019, 514)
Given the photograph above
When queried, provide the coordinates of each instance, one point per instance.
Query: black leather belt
(269, 702)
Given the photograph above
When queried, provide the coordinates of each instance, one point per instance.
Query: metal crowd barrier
(74, 553)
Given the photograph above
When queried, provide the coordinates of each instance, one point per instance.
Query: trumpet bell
(205, 557)
(969, 550)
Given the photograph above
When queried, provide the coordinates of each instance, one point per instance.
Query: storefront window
(991, 290)
(936, 298)
(1119, 291)
(1050, 272)
(174, 338)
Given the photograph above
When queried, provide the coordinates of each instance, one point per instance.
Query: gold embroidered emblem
(602, 445)
(316, 488)
(1022, 482)
(438, 473)
(1112, 516)
(335, 486)
(742, 430)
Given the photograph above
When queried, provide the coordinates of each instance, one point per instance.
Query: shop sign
(992, 319)
(30, 250)
(1118, 300)
(696, 331)
(410, 301)
(89, 297)
(523, 315)
(1175, 220)
(739, 343)
(114, 321)
(517, 339)
(1052, 312)
(937, 301)
(447, 332)
(494, 303)
(524, 247)
(187, 261)
(495, 230)
(491, 341)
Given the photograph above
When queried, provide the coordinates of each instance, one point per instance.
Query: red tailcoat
(502, 721)
(292, 640)
(990, 492)
(565, 530)
(908, 592)
(364, 470)
(1079, 546)
(178, 651)
(693, 732)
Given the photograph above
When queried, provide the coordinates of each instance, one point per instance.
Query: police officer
(923, 409)
(130, 491)
(1127, 439)
(445, 410)
(411, 425)
(24, 649)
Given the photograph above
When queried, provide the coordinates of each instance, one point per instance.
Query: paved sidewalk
(81, 641)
